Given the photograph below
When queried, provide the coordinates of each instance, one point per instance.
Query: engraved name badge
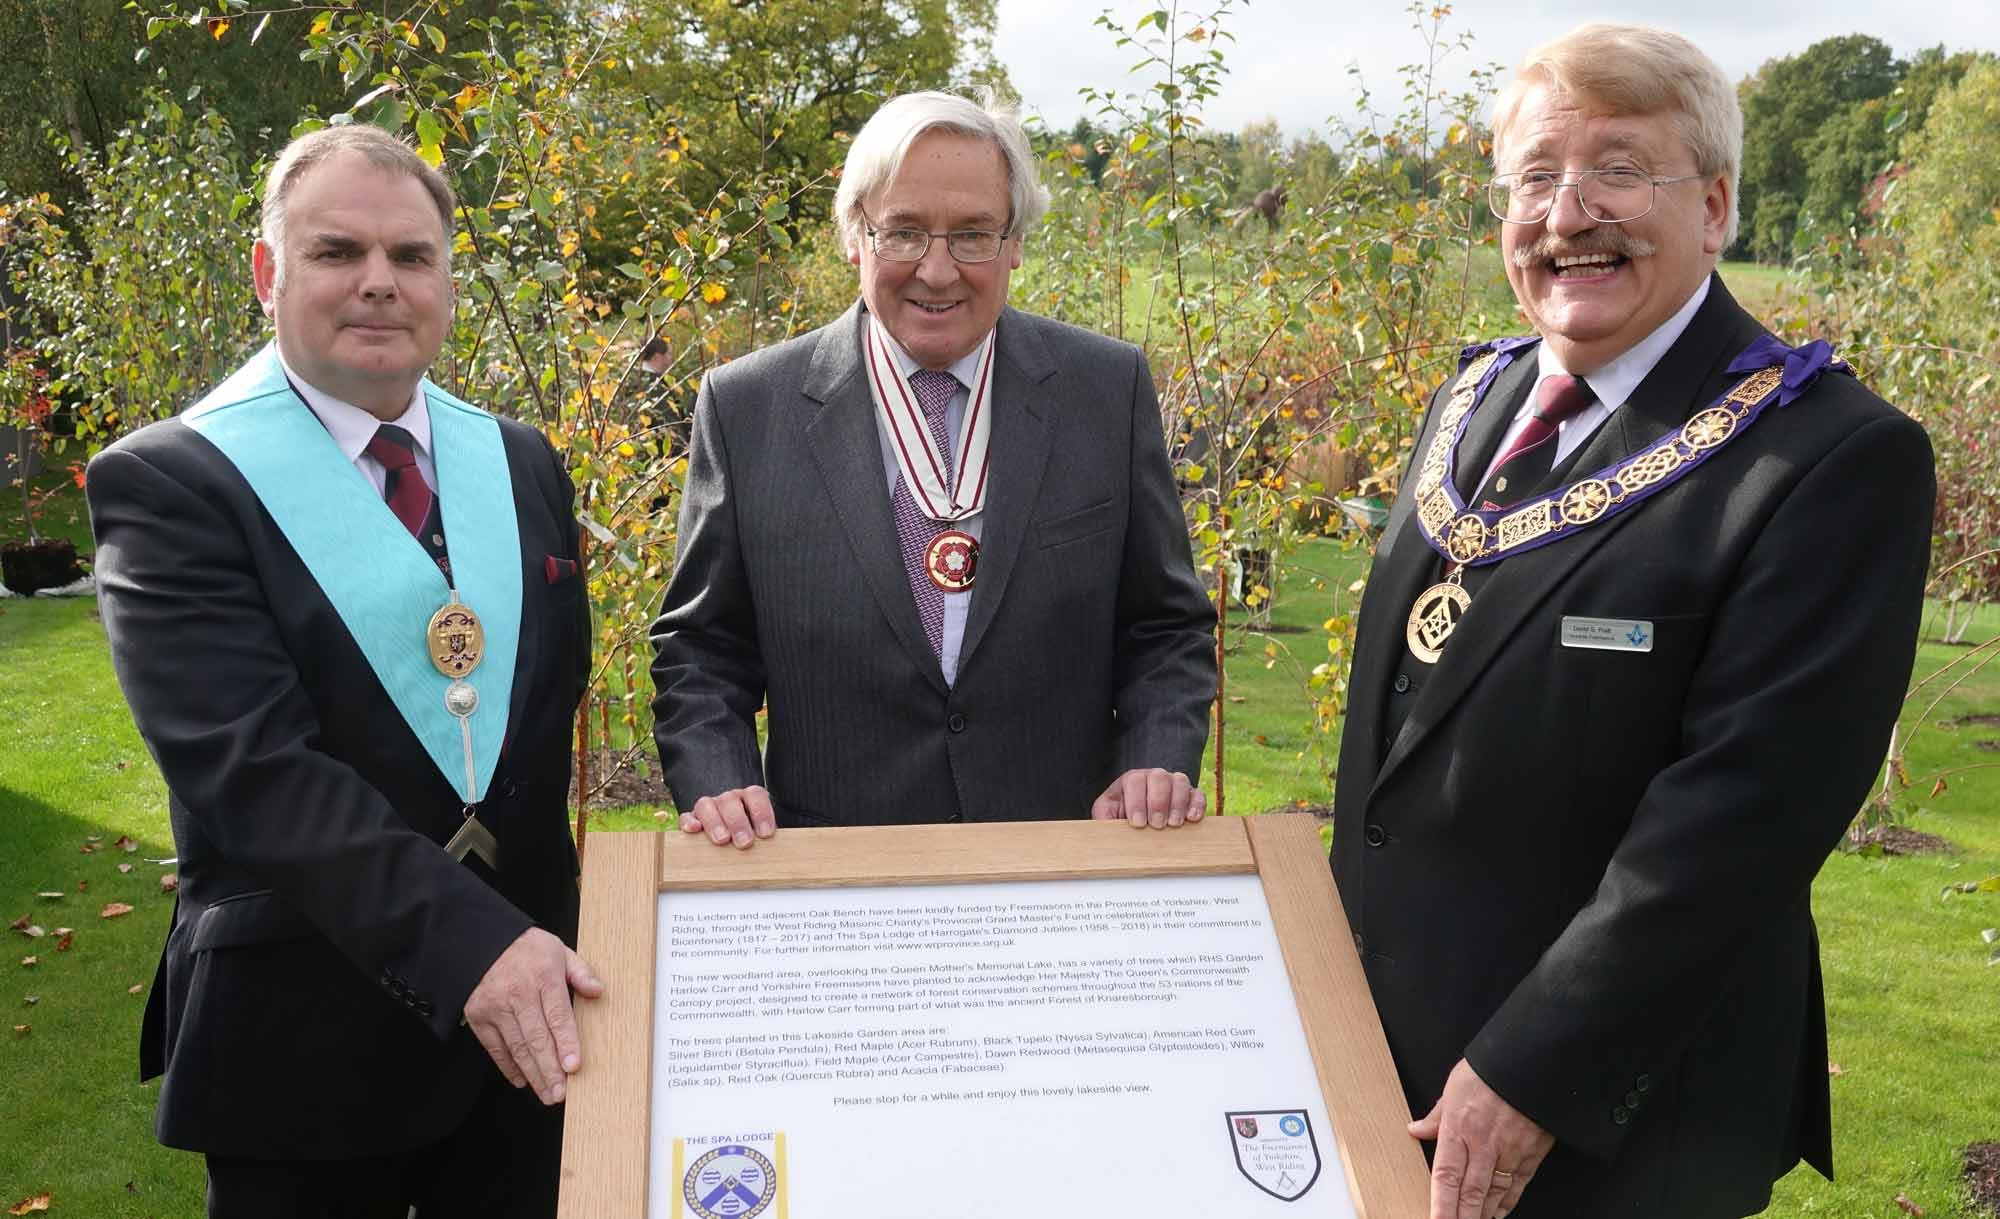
(1607, 634)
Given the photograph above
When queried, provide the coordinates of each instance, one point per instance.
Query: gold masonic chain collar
(1470, 538)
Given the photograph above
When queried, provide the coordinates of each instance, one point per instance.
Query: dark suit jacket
(1088, 644)
(307, 1003)
(1588, 872)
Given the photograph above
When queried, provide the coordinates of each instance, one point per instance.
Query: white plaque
(1073, 1047)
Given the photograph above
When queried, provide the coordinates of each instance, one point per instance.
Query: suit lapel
(1023, 431)
(847, 449)
(1687, 377)
(1405, 564)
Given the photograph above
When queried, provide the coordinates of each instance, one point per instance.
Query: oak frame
(605, 1166)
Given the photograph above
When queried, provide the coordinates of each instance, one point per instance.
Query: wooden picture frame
(605, 1150)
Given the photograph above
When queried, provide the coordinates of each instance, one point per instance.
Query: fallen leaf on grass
(30, 1000)
(83, 886)
(114, 909)
(31, 931)
(134, 990)
(125, 844)
(90, 848)
(62, 942)
(22, 1030)
(40, 1202)
(52, 895)
(1834, 1068)
(1937, 789)
(1236, 698)
(19, 924)
(1908, 1207)
(124, 867)
(30, 962)
(170, 882)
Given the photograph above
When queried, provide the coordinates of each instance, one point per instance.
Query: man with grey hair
(938, 538)
(1633, 643)
(346, 610)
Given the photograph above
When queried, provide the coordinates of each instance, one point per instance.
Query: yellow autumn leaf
(713, 293)
(217, 27)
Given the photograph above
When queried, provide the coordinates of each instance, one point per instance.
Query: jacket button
(1402, 683)
(1620, 1116)
(1374, 835)
(956, 723)
(1643, 1084)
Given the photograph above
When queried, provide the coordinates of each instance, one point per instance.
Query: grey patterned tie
(913, 528)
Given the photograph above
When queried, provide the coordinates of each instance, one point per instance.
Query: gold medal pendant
(457, 640)
(1433, 618)
(952, 561)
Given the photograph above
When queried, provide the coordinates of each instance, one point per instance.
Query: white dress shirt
(1612, 384)
(966, 370)
(352, 428)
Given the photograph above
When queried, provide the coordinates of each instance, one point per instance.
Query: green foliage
(139, 295)
(1293, 363)
(1785, 103)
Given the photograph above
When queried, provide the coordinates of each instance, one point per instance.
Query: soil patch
(1982, 1177)
(1972, 721)
(616, 782)
(1987, 746)
(1898, 840)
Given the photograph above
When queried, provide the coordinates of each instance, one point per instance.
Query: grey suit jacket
(1088, 646)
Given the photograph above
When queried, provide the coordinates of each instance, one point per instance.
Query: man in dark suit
(1629, 655)
(345, 609)
(940, 538)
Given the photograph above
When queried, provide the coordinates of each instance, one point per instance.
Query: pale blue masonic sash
(378, 578)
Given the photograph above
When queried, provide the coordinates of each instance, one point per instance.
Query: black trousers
(502, 1162)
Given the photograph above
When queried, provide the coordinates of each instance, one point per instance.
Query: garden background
(666, 167)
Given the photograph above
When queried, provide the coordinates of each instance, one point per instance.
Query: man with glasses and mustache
(938, 541)
(1630, 653)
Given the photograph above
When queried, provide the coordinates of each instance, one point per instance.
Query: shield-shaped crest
(1280, 1156)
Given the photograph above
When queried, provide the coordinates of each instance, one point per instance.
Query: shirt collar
(350, 426)
(1614, 383)
(966, 369)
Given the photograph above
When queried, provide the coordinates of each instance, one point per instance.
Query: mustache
(1604, 241)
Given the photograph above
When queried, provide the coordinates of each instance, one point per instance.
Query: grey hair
(880, 146)
(382, 150)
(1621, 70)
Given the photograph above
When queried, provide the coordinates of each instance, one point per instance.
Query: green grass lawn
(1915, 1011)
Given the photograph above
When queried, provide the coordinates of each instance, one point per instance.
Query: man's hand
(1155, 797)
(741, 815)
(1487, 1150)
(520, 1012)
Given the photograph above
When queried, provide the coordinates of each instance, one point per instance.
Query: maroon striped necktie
(1527, 461)
(404, 490)
(913, 529)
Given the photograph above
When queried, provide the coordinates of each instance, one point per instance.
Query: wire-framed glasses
(1608, 196)
(910, 245)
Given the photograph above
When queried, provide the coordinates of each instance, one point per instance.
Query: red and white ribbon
(917, 456)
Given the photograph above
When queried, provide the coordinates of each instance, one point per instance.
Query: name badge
(1608, 634)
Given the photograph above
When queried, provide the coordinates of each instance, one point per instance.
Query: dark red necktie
(1527, 461)
(405, 491)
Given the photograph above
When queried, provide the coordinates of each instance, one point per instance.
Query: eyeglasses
(1608, 196)
(910, 245)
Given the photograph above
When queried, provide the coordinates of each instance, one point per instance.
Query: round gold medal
(952, 561)
(457, 640)
(1433, 618)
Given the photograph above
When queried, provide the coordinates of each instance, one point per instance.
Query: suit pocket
(257, 917)
(1074, 526)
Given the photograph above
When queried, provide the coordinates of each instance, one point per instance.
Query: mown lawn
(1915, 1011)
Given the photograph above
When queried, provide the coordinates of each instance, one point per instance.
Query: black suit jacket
(1088, 646)
(1588, 872)
(307, 1002)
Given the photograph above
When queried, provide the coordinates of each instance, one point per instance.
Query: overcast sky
(1290, 58)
